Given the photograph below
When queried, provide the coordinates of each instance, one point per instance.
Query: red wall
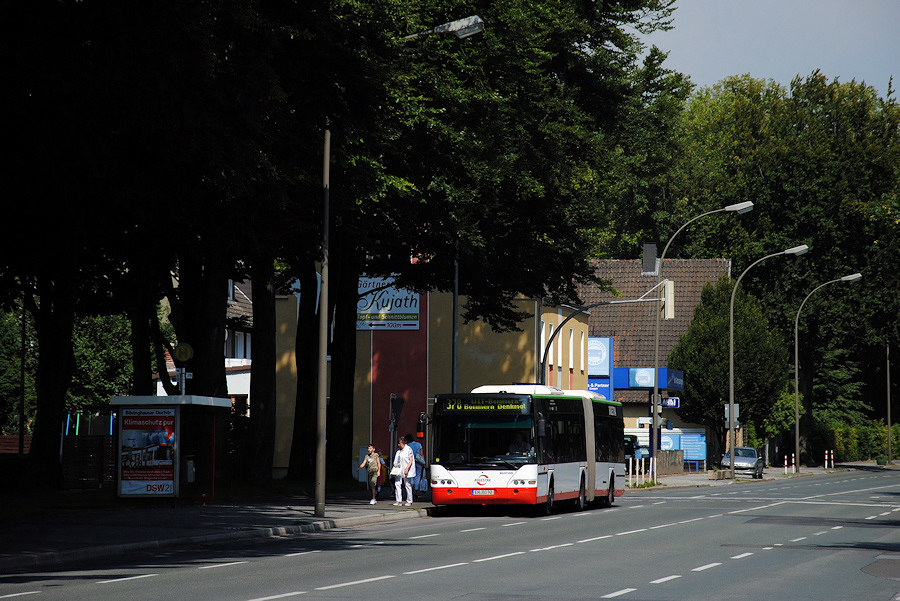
(399, 366)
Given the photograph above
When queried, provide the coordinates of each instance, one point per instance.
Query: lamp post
(739, 208)
(847, 278)
(796, 251)
(322, 385)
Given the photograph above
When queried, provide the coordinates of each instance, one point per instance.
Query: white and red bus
(526, 445)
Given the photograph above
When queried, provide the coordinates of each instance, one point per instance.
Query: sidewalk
(87, 534)
(83, 534)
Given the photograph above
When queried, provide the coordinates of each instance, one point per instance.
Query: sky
(780, 39)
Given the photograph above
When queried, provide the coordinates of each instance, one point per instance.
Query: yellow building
(411, 359)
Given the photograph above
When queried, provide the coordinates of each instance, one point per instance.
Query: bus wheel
(610, 494)
(579, 502)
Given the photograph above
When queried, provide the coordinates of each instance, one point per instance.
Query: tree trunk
(54, 320)
(261, 435)
(303, 445)
(343, 356)
(198, 315)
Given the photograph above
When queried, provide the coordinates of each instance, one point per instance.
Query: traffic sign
(183, 352)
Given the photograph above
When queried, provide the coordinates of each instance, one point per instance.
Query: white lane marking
(20, 594)
(660, 503)
(872, 517)
(885, 513)
(556, 517)
(624, 591)
(550, 548)
(836, 527)
(473, 529)
(718, 515)
(689, 521)
(768, 548)
(353, 583)
(661, 526)
(221, 565)
(633, 507)
(797, 540)
(755, 508)
(820, 533)
(512, 524)
(631, 532)
(127, 578)
(423, 536)
(590, 540)
(299, 553)
(499, 556)
(359, 546)
(451, 565)
(742, 556)
(281, 596)
(665, 579)
(706, 567)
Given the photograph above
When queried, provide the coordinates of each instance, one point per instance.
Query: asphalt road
(829, 537)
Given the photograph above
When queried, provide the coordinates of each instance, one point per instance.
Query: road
(830, 537)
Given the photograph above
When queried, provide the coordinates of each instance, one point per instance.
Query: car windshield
(740, 452)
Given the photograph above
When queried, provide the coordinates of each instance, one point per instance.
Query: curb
(53, 557)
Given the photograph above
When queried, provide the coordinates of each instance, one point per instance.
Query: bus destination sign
(479, 403)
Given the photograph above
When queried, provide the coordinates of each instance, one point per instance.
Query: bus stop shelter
(167, 445)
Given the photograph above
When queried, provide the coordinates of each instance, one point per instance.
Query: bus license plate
(482, 491)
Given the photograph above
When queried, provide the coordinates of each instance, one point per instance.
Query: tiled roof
(239, 313)
(633, 324)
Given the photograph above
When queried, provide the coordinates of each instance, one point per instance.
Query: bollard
(785, 465)
(793, 464)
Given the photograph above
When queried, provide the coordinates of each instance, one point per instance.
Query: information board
(694, 447)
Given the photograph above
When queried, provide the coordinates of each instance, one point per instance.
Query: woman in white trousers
(404, 459)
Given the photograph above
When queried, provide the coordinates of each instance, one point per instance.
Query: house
(633, 326)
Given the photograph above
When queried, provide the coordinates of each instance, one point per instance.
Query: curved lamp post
(797, 250)
(847, 278)
(741, 207)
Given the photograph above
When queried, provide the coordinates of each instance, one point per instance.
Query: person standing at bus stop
(403, 470)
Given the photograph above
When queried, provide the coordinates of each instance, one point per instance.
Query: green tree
(821, 162)
(102, 348)
(760, 361)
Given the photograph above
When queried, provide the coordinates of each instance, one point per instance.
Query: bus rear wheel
(610, 494)
(579, 501)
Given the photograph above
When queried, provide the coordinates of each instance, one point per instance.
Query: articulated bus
(526, 445)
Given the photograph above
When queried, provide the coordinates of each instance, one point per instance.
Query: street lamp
(797, 250)
(739, 208)
(847, 278)
(461, 28)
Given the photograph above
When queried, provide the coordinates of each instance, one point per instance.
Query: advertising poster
(147, 439)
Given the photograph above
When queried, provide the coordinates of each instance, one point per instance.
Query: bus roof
(518, 389)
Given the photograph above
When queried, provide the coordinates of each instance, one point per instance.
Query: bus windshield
(504, 441)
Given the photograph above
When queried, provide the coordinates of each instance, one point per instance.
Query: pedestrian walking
(372, 463)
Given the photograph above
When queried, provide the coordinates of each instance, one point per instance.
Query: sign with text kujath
(381, 306)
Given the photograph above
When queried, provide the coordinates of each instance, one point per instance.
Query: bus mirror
(541, 425)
